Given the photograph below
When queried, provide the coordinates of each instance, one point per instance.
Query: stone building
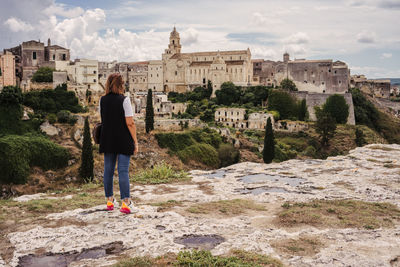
(319, 76)
(376, 88)
(84, 72)
(7, 70)
(31, 55)
(259, 120)
(184, 71)
(230, 116)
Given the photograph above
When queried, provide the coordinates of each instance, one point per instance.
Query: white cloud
(366, 37)
(386, 55)
(17, 25)
(297, 38)
(190, 36)
(61, 10)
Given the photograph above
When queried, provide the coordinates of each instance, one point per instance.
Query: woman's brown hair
(115, 84)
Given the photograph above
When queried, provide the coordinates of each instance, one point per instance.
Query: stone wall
(317, 99)
(59, 77)
(291, 126)
(171, 124)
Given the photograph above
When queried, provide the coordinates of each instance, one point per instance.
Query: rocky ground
(238, 207)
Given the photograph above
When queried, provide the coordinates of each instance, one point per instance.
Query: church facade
(183, 72)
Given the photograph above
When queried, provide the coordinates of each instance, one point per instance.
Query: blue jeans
(123, 174)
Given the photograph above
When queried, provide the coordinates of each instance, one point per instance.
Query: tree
(149, 112)
(86, 169)
(43, 75)
(284, 103)
(337, 107)
(288, 84)
(325, 125)
(209, 89)
(269, 143)
(302, 110)
(11, 109)
(360, 140)
(228, 94)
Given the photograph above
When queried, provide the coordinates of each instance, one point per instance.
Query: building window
(64, 57)
(340, 81)
(94, 72)
(176, 73)
(54, 57)
(151, 75)
(323, 83)
(34, 55)
(335, 71)
(94, 80)
(329, 70)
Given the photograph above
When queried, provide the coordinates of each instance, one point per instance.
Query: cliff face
(249, 206)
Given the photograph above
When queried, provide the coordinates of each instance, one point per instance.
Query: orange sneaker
(110, 204)
(127, 209)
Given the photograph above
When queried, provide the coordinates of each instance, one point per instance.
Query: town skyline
(136, 30)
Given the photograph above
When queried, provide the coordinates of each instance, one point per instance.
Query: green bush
(53, 101)
(43, 75)
(18, 153)
(310, 151)
(52, 118)
(283, 152)
(208, 136)
(228, 155)
(203, 153)
(174, 141)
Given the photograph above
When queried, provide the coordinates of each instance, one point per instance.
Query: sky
(363, 33)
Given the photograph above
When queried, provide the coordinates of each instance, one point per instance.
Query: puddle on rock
(217, 174)
(204, 242)
(261, 190)
(160, 227)
(65, 259)
(262, 177)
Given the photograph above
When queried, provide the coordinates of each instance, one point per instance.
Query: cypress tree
(269, 143)
(86, 169)
(302, 110)
(149, 112)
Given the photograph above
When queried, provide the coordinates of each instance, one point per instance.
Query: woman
(118, 140)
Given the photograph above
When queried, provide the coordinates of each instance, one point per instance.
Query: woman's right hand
(136, 150)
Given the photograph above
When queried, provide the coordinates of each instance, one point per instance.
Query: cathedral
(184, 71)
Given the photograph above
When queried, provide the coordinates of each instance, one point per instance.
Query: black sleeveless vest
(115, 136)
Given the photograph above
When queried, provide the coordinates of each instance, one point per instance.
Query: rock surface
(49, 129)
(364, 174)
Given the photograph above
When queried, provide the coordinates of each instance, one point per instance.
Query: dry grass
(345, 185)
(302, 246)
(167, 205)
(339, 213)
(203, 258)
(226, 207)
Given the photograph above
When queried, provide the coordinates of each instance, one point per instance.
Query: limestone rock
(49, 129)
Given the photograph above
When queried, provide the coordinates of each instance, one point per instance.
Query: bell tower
(174, 46)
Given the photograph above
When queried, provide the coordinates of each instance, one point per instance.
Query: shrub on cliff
(325, 125)
(284, 103)
(19, 153)
(203, 153)
(43, 75)
(228, 155)
(11, 110)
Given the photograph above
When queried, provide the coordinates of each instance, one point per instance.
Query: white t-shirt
(127, 107)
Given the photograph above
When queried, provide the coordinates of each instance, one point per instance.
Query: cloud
(366, 37)
(190, 36)
(390, 4)
(17, 25)
(297, 38)
(386, 55)
(63, 11)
